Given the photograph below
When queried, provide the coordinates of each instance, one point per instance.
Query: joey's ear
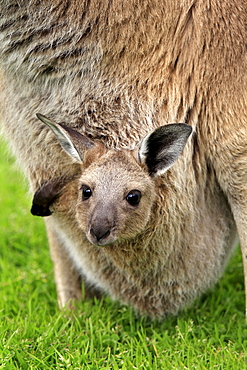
(44, 197)
(160, 149)
(71, 140)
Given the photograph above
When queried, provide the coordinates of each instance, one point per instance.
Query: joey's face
(115, 198)
(117, 188)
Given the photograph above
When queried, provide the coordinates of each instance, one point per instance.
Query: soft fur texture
(116, 70)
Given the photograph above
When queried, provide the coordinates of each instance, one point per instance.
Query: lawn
(101, 334)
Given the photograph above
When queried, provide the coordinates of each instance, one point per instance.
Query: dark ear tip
(188, 128)
(40, 116)
(180, 127)
(40, 211)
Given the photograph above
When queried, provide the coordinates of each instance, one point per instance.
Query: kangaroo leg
(240, 216)
(68, 281)
(235, 182)
(243, 242)
(230, 163)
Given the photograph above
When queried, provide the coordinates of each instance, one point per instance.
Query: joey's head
(117, 188)
(116, 195)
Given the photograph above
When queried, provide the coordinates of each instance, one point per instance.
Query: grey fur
(114, 71)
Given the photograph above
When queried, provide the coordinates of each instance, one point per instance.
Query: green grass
(34, 334)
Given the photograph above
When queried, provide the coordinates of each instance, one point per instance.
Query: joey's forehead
(115, 169)
(112, 173)
(115, 162)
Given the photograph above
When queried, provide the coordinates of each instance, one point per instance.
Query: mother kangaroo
(137, 158)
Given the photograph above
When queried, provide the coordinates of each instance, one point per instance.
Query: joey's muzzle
(102, 228)
(101, 235)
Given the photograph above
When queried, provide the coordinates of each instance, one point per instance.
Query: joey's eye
(134, 197)
(86, 192)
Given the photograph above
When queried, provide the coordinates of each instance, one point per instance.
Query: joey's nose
(100, 233)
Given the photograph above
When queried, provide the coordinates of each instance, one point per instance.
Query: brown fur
(115, 71)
